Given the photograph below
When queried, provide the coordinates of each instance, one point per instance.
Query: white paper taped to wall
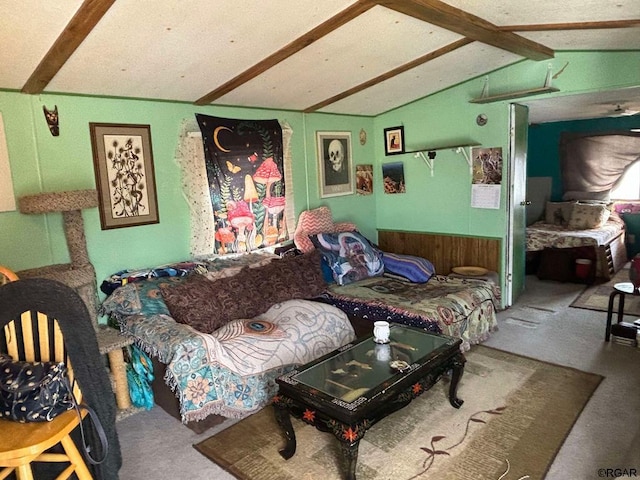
(7, 199)
(485, 196)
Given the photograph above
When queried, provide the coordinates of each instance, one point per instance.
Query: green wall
(441, 203)
(43, 163)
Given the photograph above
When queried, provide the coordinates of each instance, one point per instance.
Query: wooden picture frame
(394, 140)
(125, 179)
(335, 164)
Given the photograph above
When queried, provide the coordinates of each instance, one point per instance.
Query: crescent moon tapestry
(245, 165)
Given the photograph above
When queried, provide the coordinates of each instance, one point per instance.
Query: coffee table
(350, 389)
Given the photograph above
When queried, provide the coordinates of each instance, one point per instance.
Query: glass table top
(367, 364)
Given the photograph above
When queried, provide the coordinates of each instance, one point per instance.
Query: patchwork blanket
(541, 235)
(459, 307)
(232, 372)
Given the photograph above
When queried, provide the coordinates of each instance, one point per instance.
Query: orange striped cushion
(312, 222)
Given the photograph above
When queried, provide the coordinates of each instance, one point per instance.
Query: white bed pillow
(558, 213)
(585, 216)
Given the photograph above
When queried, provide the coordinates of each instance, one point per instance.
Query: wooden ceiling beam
(468, 25)
(298, 44)
(571, 26)
(78, 28)
(391, 73)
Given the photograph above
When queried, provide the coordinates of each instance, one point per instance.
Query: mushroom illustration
(250, 194)
(240, 218)
(225, 236)
(267, 174)
(273, 205)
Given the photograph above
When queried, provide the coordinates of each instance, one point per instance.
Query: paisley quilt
(459, 307)
(541, 235)
(232, 372)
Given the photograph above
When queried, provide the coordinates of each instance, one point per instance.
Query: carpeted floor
(517, 410)
(596, 297)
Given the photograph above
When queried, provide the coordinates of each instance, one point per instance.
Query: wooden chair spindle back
(44, 344)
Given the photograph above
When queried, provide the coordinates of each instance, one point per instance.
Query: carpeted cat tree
(80, 274)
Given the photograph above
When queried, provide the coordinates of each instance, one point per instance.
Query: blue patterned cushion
(416, 269)
(142, 297)
(327, 273)
(180, 269)
(350, 256)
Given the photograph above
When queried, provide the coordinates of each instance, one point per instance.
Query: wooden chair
(34, 336)
(7, 275)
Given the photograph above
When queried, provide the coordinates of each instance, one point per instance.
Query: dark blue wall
(543, 156)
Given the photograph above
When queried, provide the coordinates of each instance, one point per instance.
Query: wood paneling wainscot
(444, 251)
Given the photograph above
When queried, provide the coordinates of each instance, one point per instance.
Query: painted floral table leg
(284, 420)
(350, 455)
(349, 437)
(457, 370)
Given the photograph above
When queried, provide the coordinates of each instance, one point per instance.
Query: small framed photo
(393, 140)
(125, 180)
(335, 164)
(393, 175)
(364, 179)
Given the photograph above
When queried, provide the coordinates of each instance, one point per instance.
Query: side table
(619, 290)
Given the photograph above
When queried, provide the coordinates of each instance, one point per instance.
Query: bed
(370, 284)
(570, 230)
(221, 330)
(226, 369)
(463, 308)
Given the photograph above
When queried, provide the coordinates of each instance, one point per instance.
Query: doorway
(515, 260)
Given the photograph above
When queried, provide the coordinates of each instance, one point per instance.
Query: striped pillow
(415, 269)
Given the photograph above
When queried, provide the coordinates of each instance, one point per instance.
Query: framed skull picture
(335, 165)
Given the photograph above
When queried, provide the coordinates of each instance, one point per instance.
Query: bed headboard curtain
(595, 162)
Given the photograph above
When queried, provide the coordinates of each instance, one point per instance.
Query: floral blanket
(541, 235)
(459, 307)
(232, 372)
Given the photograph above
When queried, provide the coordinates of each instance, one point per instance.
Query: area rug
(516, 414)
(596, 297)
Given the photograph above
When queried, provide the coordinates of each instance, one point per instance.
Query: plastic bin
(583, 268)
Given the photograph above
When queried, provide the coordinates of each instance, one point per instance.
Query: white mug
(381, 331)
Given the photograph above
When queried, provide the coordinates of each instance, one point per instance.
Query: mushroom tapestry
(245, 165)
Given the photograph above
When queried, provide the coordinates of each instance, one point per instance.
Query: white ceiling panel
(183, 50)
(27, 33)
(588, 105)
(467, 62)
(209, 51)
(342, 60)
(523, 12)
(603, 39)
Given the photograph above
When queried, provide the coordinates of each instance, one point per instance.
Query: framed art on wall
(393, 177)
(125, 180)
(335, 171)
(364, 179)
(393, 140)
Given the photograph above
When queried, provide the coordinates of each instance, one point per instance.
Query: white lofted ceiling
(360, 57)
